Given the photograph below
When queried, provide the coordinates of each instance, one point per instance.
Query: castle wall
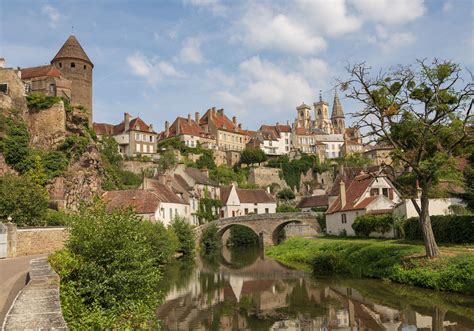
(15, 97)
(47, 127)
(266, 176)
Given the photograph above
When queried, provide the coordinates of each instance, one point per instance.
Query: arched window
(73, 65)
(85, 67)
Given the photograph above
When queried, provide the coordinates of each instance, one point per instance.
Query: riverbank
(384, 259)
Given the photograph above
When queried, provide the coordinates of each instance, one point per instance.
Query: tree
(425, 114)
(185, 233)
(206, 161)
(286, 194)
(167, 160)
(110, 150)
(251, 156)
(22, 200)
(355, 160)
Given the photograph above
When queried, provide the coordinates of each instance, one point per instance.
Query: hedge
(457, 229)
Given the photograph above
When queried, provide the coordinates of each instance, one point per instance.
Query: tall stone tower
(321, 114)
(337, 117)
(304, 116)
(75, 65)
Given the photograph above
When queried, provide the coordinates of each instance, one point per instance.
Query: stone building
(12, 90)
(46, 80)
(379, 153)
(133, 136)
(239, 202)
(272, 139)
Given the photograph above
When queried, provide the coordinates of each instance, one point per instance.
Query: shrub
(55, 163)
(163, 242)
(286, 208)
(56, 217)
(206, 161)
(446, 228)
(286, 194)
(210, 240)
(185, 234)
(74, 146)
(15, 145)
(108, 271)
(251, 156)
(242, 236)
(23, 200)
(39, 101)
(365, 224)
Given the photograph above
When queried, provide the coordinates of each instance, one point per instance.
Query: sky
(258, 60)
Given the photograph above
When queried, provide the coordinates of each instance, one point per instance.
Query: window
(27, 88)
(51, 88)
(246, 211)
(385, 191)
(139, 147)
(137, 136)
(286, 141)
(150, 148)
(73, 65)
(60, 64)
(240, 139)
(233, 213)
(255, 211)
(145, 148)
(4, 88)
(343, 219)
(151, 139)
(85, 67)
(374, 191)
(163, 212)
(267, 210)
(286, 148)
(171, 213)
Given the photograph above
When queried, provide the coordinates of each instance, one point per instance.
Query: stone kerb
(37, 306)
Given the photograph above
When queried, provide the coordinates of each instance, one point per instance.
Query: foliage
(56, 217)
(74, 146)
(286, 208)
(208, 209)
(321, 218)
(225, 175)
(424, 113)
(108, 271)
(15, 144)
(55, 163)
(242, 236)
(251, 156)
(39, 101)
(291, 171)
(167, 160)
(206, 161)
(23, 200)
(446, 228)
(468, 196)
(286, 194)
(210, 240)
(163, 242)
(365, 224)
(185, 234)
(355, 160)
(110, 150)
(36, 171)
(378, 259)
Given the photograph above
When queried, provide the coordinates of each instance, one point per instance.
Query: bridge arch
(280, 227)
(227, 227)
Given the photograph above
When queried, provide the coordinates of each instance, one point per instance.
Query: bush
(185, 234)
(56, 217)
(286, 208)
(206, 161)
(74, 146)
(365, 224)
(446, 228)
(23, 200)
(163, 241)
(55, 163)
(242, 236)
(15, 145)
(210, 240)
(108, 271)
(39, 101)
(286, 194)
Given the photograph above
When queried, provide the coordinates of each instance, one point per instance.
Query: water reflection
(243, 290)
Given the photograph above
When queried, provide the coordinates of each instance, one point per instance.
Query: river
(241, 289)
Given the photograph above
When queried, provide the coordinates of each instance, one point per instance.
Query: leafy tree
(355, 160)
(286, 208)
(163, 241)
(185, 234)
(167, 160)
(36, 171)
(251, 156)
(23, 200)
(110, 150)
(15, 145)
(425, 114)
(225, 175)
(206, 161)
(468, 196)
(210, 240)
(286, 194)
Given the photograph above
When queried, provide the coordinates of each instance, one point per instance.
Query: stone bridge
(266, 226)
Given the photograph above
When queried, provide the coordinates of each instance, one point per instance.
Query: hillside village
(208, 158)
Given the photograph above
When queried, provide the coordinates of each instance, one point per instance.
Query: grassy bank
(385, 259)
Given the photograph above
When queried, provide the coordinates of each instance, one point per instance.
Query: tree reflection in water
(240, 289)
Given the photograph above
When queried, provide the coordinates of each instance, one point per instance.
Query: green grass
(392, 260)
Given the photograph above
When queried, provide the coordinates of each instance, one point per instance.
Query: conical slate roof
(336, 107)
(72, 50)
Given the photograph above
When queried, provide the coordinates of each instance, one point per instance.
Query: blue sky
(256, 59)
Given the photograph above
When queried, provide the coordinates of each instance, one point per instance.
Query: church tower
(321, 115)
(304, 116)
(75, 65)
(337, 116)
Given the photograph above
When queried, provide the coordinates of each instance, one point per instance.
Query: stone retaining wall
(40, 240)
(37, 306)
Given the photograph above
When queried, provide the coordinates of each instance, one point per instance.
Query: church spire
(336, 107)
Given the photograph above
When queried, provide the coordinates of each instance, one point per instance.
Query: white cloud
(314, 69)
(215, 6)
(153, 71)
(262, 29)
(220, 78)
(53, 15)
(332, 18)
(391, 41)
(390, 11)
(191, 51)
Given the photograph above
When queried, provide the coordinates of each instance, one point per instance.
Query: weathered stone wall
(5, 168)
(38, 306)
(299, 230)
(137, 167)
(40, 240)
(47, 127)
(15, 97)
(265, 177)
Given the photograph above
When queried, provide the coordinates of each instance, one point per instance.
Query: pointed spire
(336, 107)
(72, 49)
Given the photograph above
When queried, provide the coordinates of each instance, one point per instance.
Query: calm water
(243, 290)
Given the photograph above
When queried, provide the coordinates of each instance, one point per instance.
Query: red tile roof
(163, 192)
(247, 195)
(41, 71)
(143, 202)
(354, 191)
(303, 132)
(284, 128)
(185, 126)
(136, 124)
(103, 129)
(220, 121)
(313, 201)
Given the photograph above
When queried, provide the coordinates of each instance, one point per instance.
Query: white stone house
(239, 202)
(406, 208)
(365, 194)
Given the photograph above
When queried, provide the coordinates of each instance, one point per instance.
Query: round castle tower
(75, 65)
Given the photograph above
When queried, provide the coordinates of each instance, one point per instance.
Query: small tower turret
(321, 115)
(337, 117)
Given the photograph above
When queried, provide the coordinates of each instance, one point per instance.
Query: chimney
(213, 111)
(221, 111)
(342, 194)
(126, 121)
(189, 118)
(240, 126)
(167, 128)
(197, 117)
(151, 127)
(2, 62)
(234, 120)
